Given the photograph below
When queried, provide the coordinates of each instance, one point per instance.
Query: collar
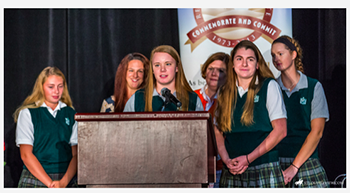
(205, 96)
(155, 93)
(300, 85)
(58, 107)
(240, 89)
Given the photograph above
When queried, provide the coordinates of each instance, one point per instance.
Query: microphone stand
(167, 100)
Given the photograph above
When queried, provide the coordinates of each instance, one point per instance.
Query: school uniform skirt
(310, 175)
(27, 180)
(267, 175)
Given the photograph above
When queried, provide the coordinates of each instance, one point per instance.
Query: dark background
(88, 44)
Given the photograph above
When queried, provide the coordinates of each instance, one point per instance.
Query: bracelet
(294, 166)
(247, 159)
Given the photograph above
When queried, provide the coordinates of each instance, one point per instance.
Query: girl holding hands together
(250, 122)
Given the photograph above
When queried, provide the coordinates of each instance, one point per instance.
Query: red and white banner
(206, 31)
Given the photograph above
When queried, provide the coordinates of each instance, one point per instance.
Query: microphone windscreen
(163, 91)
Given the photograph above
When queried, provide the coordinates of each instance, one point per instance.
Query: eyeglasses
(220, 70)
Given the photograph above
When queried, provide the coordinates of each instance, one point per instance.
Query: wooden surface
(149, 152)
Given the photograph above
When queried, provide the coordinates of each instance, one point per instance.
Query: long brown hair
(227, 98)
(37, 97)
(181, 85)
(120, 95)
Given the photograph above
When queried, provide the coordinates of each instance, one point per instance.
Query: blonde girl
(165, 71)
(307, 110)
(46, 134)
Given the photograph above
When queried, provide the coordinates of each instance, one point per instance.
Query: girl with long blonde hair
(37, 98)
(46, 133)
(165, 71)
(250, 121)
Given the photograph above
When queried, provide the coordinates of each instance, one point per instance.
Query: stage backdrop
(88, 44)
(203, 32)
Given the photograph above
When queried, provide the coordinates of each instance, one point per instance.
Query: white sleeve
(199, 105)
(319, 106)
(74, 136)
(274, 102)
(130, 104)
(24, 128)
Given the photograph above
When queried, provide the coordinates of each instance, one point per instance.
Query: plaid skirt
(27, 180)
(267, 175)
(310, 175)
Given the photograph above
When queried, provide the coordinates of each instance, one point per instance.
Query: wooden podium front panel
(142, 152)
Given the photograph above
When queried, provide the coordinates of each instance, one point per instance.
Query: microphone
(167, 94)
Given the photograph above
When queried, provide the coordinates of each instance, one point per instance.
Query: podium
(149, 149)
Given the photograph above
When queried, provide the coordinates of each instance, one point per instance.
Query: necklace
(290, 87)
(294, 81)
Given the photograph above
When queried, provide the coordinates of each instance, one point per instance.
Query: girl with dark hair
(130, 76)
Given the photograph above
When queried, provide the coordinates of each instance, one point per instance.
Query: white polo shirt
(25, 128)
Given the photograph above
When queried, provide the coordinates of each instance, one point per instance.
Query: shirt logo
(67, 121)
(256, 98)
(303, 101)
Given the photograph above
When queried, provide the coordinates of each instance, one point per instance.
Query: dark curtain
(33, 40)
(99, 39)
(322, 35)
(88, 44)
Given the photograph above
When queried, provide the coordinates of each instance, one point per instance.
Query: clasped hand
(56, 184)
(237, 165)
(289, 174)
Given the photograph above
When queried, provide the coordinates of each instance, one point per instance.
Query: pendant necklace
(290, 87)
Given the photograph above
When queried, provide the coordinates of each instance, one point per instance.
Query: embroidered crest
(303, 101)
(67, 121)
(256, 98)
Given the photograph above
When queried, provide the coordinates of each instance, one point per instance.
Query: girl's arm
(220, 143)
(308, 147)
(71, 171)
(311, 141)
(278, 132)
(33, 165)
(319, 115)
